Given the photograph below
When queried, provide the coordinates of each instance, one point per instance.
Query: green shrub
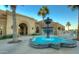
(6, 36)
(35, 34)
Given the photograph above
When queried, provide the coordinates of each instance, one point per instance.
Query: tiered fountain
(48, 41)
(47, 29)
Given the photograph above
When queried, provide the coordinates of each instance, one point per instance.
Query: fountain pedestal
(47, 29)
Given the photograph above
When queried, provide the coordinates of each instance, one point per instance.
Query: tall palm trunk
(14, 25)
(43, 18)
(42, 25)
(78, 25)
(6, 20)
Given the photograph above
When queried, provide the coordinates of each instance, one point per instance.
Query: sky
(58, 13)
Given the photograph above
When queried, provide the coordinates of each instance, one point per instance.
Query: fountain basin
(54, 42)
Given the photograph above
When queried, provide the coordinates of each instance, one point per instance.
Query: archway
(37, 30)
(23, 30)
(0, 31)
(59, 28)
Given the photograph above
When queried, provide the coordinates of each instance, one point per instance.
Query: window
(32, 28)
(37, 29)
(59, 28)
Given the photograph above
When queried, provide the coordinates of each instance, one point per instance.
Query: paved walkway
(24, 48)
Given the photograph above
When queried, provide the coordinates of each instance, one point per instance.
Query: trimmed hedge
(6, 37)
(35, 34)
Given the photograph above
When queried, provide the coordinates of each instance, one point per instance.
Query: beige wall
(9, 24)
(20, 19)
(30, 22)
(55, 26)
(3, 25)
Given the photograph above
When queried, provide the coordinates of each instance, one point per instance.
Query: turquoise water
(45, 40)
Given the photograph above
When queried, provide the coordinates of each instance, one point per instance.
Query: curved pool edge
(50, 45)
(37, 46)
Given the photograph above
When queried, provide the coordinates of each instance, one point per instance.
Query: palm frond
(68, 24)
(73, 7)
(43, 11)
(6, 6)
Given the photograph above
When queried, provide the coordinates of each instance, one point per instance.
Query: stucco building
(55, 27)
(25, 25)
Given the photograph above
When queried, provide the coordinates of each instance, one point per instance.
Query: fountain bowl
(52, 42)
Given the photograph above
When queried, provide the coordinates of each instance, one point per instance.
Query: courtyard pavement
(24, 48)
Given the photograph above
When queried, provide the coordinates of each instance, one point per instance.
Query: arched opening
(37, 30)
(0, 31)
(23, 30)
(59, 28)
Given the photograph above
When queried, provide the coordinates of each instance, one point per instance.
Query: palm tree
(13, 7)
(43, 11)
(73, 7)
(68, 25)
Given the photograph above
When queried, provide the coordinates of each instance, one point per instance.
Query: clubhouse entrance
(23, 30)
